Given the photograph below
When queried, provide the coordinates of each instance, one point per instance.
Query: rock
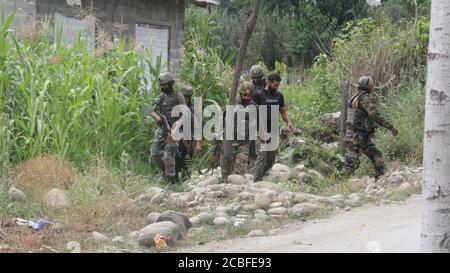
(316, 174)
(249, 177)
(262, 201)
(192, 204)
(98, 237)
(238, 223)
(284, 197)
(267, 185)
(195, 221)
(301, 197)
(199, 190)
(158, 198)
(354, 197)
(152, 216)
(304, 209)
(55, 198)
(237, 180)
(232, 190)
(204, 217)
(299, 168)
(304, 178)
(347, 208)
(209, 181)
(245, 196)
(280, 168)
(74, 247)
(152, 191)
(262, 217)
(181, 220)
(395, 179)
(331, 120)
(144, 198)
(186, 197)
(279, 176)
(260, 211)
(256, 233)
(133, 234)
(16, 195)
(249, 207)
(118, 239)
(167, 228)
(276, 205)
(405, 186)
(279, 211)
(216, 194)
(221, 221)
(214, 187)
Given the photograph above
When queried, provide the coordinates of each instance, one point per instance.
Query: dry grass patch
(36, 176)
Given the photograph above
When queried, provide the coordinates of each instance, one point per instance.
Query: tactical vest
(165, 103)
(357, 118)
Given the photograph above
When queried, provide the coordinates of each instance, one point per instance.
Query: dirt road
(391, 227)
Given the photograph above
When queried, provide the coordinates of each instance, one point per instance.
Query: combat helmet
(166, 78)
(256, 71)
(366, 83)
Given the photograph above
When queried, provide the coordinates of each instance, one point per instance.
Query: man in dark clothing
(269, 96)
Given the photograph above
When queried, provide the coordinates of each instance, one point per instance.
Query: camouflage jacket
(166, 102)
(362, 114)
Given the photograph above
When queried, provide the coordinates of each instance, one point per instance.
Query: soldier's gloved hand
(394, 132)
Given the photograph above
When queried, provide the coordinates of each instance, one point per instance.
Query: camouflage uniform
(241, 148)
(163, 151)
(362, 121)
(184, 161)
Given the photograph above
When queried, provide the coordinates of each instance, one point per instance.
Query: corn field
(70, 101)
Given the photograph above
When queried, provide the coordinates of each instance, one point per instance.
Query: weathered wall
(117, 17)
(24, 9)
(120, 17)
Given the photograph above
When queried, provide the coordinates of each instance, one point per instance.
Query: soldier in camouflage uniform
(187, 145)
(257, 76)
(362, 120)
(241, 142)
(164, 148)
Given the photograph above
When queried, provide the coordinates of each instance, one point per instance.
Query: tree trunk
(227, 156)
(344, 108)
(435, 235)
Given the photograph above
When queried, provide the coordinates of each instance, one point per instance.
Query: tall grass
(72, 102)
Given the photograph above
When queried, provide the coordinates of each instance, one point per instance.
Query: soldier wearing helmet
(362, 121)
(164, 148)
(184, 162)
(241, 143)
(257, 76)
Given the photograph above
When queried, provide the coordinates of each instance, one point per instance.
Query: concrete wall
(25, 11)
(117, 17)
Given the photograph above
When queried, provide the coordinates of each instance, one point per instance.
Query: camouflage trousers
(241, 153)
(357, 143)
(163, 154)
(264, 162)
(184, 161)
